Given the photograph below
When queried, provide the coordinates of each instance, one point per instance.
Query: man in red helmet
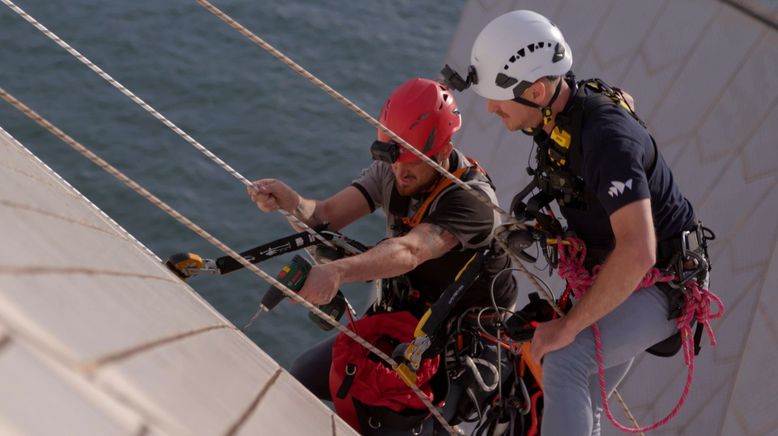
(434, 227)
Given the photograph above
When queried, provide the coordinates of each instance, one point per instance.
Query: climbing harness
(697, 308)
(558, 175)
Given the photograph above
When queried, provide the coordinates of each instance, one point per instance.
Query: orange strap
(442, 184)
(531, 364)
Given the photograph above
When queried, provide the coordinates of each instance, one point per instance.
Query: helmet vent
(504, 81)
(559, 53)
(430, 142)
(532, 47)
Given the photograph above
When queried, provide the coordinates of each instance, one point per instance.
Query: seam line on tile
(254, 404)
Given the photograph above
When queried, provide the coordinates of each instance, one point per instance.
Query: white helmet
(515, 50)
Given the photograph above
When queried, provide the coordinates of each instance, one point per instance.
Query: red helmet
(424, 113)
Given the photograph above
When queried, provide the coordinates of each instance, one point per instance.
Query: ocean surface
(234, 98)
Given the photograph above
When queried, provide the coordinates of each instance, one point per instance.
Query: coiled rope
(697, 307)
(214, 241)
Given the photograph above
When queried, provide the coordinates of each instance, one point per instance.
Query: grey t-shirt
(469, 220)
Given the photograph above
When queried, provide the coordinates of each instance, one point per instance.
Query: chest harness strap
(558, 174)
(410, 354)
(399, 206)
(442, 184)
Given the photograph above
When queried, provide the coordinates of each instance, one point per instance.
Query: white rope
(348, 103)
(217, 243)
(99, 71)
(375, 123)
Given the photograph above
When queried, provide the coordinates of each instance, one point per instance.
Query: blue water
(230, 95)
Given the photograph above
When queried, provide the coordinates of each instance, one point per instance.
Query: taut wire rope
(156, 114)
(102, 164)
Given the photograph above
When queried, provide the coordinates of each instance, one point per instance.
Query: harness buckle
(412, 353)
(694, 262)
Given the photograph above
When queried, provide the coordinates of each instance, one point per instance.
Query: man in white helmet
(599, 163)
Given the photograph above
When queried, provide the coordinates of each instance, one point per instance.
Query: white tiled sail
(705, 78)
(87, 348)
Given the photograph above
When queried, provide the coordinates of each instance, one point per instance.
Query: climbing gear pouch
(366, 392)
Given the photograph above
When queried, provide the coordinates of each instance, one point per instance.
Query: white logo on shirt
(617, 188)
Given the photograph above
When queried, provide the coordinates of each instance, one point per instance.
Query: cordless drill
(293, 276)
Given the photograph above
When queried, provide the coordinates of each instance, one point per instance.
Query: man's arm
(392, 257)
(339, 210)
(632, 256)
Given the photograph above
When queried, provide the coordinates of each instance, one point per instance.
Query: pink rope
(697, 307)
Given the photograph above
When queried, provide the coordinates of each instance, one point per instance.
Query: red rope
(697, 307)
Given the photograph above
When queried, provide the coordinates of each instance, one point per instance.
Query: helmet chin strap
(545, 111)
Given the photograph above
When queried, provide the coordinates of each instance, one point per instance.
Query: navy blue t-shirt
(613, 149)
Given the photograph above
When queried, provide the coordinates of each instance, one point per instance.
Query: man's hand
(272, 194)
(391, 257)
(322, 284)
(551, 336)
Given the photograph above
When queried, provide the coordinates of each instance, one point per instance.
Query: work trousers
(572, 401)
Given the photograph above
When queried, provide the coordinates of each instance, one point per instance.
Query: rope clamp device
(188, 264)
(413, 352)
(693, 247)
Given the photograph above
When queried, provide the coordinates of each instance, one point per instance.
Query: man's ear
(537, 91)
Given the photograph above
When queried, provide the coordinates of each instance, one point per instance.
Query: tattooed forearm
(395, 256)
(438, 241)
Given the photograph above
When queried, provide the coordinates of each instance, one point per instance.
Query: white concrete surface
(704, 76)
(90, 349)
